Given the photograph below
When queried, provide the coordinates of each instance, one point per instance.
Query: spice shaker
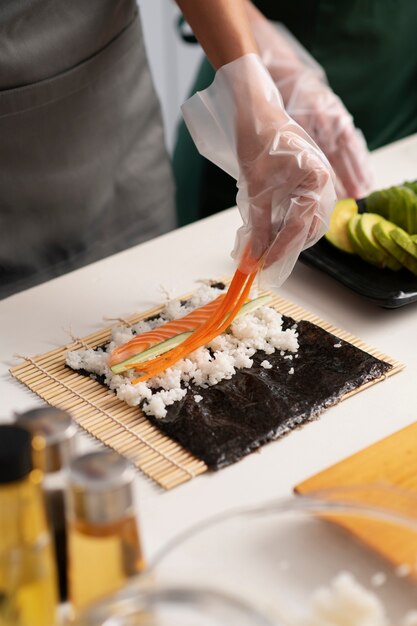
(28, 584)
(104, 544)
(53, 432)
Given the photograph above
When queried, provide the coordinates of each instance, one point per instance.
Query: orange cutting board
(391, 462)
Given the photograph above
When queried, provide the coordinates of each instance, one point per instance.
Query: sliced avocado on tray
(361, 271)
(365, 227)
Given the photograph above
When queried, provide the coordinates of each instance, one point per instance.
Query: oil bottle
(28, 585)
(103, 539)
(53, 431)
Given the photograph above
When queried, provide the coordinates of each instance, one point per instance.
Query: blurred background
(173, 62)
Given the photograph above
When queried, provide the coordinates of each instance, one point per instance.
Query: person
(367, 52)
(83, 168)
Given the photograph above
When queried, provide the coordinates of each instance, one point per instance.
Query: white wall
(173, 63)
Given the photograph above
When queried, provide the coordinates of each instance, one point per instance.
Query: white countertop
(38, 320)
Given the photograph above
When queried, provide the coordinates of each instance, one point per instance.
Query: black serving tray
(382, 286)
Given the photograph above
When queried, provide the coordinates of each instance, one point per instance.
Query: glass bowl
(142, 603)
(265, 565)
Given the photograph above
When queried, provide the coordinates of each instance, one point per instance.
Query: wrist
(283, 56)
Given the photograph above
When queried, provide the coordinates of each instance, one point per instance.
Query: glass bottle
(28, 586)
(104, 545)
(53, 432)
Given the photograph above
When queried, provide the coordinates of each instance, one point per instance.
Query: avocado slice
(382, 232)
(410, 210)
(362, 249)
(402, 206)
(378, 202)
(374, 250)
(411, 221)
(411, 184)
(397, 204)
(353, 236)
(338, 228)
(405, 242)
(173, 342)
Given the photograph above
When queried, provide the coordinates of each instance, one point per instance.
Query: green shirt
(368, 50)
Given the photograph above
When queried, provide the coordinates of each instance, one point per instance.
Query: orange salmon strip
(151, 338)
(226, 311)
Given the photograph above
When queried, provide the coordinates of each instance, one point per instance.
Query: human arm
(222, 28)
(309, 99)
(285, 183)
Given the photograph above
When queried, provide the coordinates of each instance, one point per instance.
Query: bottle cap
(15, 453)
(100, 487)
(57, 429)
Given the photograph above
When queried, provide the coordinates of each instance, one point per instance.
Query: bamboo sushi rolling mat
(125, 429)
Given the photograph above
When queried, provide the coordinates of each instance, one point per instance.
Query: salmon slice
(222, 317)
(146, 340)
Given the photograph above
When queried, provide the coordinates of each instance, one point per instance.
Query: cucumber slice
(380, 256)
(254, 304)
(338, 228)
(150, 353)
(383, 233)
(173, 342)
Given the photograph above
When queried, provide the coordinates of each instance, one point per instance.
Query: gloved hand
(310, 101)
(285, 183)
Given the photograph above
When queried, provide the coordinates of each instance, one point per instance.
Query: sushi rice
(219, 360)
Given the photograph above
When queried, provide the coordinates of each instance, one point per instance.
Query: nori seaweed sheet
(258, 405)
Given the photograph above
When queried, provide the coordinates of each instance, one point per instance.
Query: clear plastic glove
(310, 101)
(285, 183)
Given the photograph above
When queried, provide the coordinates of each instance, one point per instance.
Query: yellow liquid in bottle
(27, 597)
(101, 559)
(28, 592)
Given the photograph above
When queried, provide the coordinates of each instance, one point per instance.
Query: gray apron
(83, 168)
